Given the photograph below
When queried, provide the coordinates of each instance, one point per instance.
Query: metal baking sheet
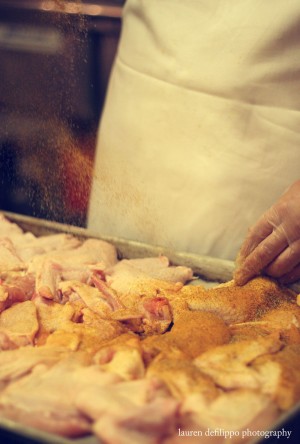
(207, 269)
(211, 269)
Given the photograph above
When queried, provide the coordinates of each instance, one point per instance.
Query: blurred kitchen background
(55, 61)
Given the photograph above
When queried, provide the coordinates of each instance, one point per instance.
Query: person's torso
(201, 128)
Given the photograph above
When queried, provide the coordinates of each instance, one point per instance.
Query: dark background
(54, 69)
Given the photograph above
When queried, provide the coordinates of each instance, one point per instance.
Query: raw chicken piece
(9, 229)
(76, 273)
(130, 412)
(15, 287)
(173, 274)
(155, 345)
(145, 315)
(91, 296)
(284, 320)
(52, 317)
(281, 375)
(47, 279)
(148, 424)
(28, 246)
(19, 362)
(122, 356)
(230, 365)
(157, 315)
(90, 252)
(19, 323)
(231, 411)
(82, 327)
(127, 363)
(19, 285)
(6, 343)
(49, 275)
(145, 300)
(283, 316)
(141, 313)
(154, 267)
(126, 279)
(69, 340)
(107, 293)
(205, 331)
(9, 259)
(45, 399)
(148, 316)
(237, 304)
(4, 298)
(92, 332)
(182, 377)
(98, 250)
(53, 267)
(127, 339)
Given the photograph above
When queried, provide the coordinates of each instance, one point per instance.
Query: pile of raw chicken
(124, 350)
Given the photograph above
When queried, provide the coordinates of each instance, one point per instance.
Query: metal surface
(208, 268)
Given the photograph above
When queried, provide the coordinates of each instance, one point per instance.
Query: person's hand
(272, 246)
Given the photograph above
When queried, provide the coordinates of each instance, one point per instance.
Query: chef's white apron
(201, 128)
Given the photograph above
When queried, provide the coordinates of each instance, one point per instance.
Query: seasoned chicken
(238, 304)
(125, 350)
(143, 310)
(19, 323)
(122, 356)
(283, 320)
(83, 328)
(90, 296)
(281, 374)
(52, 317)
(92, 332)
(205, 331)
(230, 365)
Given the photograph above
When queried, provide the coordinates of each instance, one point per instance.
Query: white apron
(201, 128)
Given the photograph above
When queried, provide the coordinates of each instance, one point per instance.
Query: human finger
(291, 276)
(257, 233)
(285, 261)
(260, 257)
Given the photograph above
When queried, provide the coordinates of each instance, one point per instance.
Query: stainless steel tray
(207, 269)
